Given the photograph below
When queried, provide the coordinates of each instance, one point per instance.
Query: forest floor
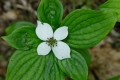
(105, 56)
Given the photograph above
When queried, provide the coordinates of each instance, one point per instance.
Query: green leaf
(23, 38)
(88, 79)
(27, 65)
(50, 11)
(112, 6)
(115, 78)
(17, 25)
(75, 67)
(86, 55)
(88, 27)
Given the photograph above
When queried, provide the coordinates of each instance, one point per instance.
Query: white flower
(52, 41)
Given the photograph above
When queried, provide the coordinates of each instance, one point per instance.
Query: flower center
(51, 42)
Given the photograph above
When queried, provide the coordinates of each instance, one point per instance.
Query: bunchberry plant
(56, 48)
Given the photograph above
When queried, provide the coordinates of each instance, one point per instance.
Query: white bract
(52, 41)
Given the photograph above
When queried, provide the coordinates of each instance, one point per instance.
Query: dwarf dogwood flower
(52, 40)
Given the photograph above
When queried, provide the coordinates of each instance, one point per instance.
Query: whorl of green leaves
(86, 29)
